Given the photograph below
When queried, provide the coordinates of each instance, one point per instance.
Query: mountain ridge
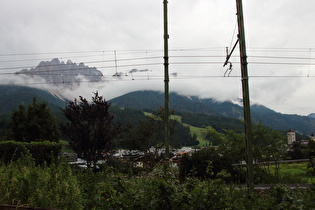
(11, 96)
(211, 107)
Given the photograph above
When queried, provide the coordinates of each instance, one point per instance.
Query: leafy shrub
(11, 150)
(205, 163)
(282, 197)
(44, 151)
(57, 186)
(127, 167)
(41, 151)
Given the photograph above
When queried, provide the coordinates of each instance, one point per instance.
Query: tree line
(94, 129)
(94, 132)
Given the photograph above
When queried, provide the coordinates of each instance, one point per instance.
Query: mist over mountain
(67, 77)
(11, 96)
(192, 104)
(67, 74)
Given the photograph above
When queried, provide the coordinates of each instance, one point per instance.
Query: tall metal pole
(166, 83)
(246, 103)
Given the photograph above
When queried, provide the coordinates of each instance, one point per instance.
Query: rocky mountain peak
(69, 62)
(58, 73)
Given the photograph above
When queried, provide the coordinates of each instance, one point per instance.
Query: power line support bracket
(228, 56)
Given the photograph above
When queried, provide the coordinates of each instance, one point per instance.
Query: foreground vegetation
(61, 186)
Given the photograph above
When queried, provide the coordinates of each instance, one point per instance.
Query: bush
(124, 167)
(206, 163)
(57, 186)
(41, 151)
(11, 150)
(44, 151)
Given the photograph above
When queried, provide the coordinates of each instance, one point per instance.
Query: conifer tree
(36, 123)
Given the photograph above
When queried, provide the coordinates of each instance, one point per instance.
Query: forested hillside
(195, 111)
(11, 96)
(211, 108)
(151, 100)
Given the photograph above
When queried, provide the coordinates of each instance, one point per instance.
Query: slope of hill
(301, 124)
(226, 108)
(12, 96)
(210, 107)
(312, 115)
(153, 100)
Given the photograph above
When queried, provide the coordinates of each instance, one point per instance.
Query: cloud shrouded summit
(56, 72)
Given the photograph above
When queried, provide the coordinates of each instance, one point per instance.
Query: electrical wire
(188, 57)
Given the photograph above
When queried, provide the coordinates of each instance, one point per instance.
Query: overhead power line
(183, 57)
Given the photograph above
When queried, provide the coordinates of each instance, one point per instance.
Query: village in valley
(139, 158)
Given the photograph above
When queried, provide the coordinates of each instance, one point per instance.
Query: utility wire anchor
(228, 56)
(228, 62)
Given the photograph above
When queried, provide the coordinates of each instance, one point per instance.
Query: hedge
(41, 151)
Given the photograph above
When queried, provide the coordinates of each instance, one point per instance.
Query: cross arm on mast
(229, 55)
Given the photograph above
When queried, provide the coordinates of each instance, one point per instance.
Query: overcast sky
(279, 38)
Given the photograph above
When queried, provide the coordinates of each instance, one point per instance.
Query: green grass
(200, 132)
(295, 170)
(148, 114)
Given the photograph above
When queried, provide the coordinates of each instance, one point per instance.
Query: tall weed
(23, 183)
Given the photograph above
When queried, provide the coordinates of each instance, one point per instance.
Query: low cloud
(34, 30)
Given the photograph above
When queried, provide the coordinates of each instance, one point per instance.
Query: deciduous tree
(91, 128)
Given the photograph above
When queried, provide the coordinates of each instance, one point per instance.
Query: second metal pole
(246, 103)
(166, 83)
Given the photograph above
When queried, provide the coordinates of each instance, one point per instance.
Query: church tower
(291, 136)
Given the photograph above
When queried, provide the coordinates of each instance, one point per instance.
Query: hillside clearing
(200, 132)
